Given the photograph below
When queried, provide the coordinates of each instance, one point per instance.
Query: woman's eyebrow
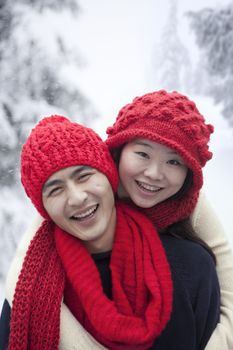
(142, 143)
(173, 152)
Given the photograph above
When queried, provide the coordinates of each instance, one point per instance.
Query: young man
(106, 264)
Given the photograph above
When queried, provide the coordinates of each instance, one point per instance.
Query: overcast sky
(117, 39)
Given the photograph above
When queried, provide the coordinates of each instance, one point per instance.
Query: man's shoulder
(5, 325)
(188, 253)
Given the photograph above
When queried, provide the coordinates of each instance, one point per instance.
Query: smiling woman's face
(150, 172)
(80, 200)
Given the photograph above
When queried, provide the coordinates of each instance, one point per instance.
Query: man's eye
(84, 177)
(55, 191)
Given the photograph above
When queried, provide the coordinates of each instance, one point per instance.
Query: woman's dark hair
(181, 229)
(184, 230)
(116, 154)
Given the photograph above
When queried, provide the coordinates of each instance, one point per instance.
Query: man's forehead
(69, 172)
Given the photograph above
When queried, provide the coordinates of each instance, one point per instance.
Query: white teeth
(148, 187)
(86, 213)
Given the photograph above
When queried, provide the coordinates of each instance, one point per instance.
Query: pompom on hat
(56, 143)
(171, 119)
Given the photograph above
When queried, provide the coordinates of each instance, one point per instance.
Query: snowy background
(86, 59)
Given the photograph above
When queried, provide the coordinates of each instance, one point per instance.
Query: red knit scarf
(141, 284)
(170, 211)
(141, 288)
(35, 314)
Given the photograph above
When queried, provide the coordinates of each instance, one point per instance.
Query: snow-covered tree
(214, 36)
(39, 70)
(171, 64)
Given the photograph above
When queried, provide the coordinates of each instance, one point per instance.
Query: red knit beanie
(56, 143)
(171, 119)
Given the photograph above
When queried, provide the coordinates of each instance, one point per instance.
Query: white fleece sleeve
(20, 253)
(208, 227)
(72, 334)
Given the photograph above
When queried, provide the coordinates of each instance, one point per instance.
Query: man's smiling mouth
(85, 214)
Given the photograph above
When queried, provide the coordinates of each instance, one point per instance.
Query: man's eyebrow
(75, 172)
(50, 184)
(78, 170)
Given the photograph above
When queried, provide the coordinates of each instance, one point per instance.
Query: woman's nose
(154, 171)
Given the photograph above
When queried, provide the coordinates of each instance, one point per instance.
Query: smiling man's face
(80, 200)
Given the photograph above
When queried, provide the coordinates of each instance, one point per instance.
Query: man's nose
(76, 196)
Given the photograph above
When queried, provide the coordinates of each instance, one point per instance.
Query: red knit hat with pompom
(171, 119)
(56, 143)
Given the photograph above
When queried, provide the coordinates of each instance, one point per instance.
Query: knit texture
(36, 305)
(174, 121)
(57, 143)
(141, 285)
(142, 297)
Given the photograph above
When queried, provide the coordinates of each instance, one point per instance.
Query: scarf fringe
(36, 305)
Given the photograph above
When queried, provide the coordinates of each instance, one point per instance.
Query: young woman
(157, 140)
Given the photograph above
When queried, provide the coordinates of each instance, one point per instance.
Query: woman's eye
(174, 162)
(142, 154)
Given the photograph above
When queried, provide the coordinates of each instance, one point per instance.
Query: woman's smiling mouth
(147, 187)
